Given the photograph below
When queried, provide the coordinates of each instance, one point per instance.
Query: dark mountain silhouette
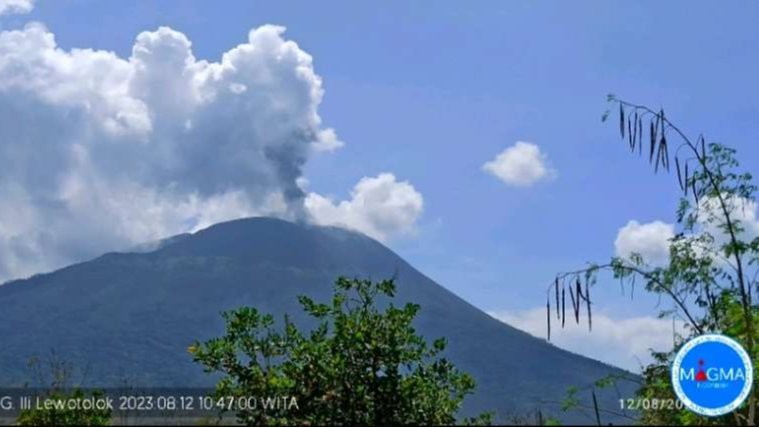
(129, 317)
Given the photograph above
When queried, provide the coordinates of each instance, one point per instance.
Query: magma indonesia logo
(712, 375)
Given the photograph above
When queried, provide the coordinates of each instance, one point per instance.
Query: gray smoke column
(248, 122)
(289, 161)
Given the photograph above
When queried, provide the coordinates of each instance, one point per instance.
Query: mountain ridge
(139, 311)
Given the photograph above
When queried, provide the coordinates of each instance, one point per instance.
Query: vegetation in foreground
(713, 269)
(360, 365)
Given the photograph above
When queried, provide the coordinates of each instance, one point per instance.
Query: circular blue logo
(712, 375)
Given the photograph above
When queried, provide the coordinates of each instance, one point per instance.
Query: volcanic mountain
(129, 317)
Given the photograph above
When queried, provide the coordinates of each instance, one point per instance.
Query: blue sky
(430, 94)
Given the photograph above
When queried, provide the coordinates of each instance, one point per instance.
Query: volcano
(129, 317)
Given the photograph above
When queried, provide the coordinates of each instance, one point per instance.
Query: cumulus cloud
(742, 211)
(100, 152)
(650, 241)
(520, 165)
(16, 6)
(327, 141)
(620, 342)
(380, 207)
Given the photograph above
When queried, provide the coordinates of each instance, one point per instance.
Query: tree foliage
(359, 365)
(713, 268)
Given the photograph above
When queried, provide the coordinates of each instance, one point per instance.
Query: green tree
(360, 365)
(708, 277)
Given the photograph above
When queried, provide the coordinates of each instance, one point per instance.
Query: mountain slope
(130, 316)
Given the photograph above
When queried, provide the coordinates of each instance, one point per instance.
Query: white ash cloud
(101, 152)
(8, 7)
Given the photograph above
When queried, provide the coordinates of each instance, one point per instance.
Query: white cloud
(327, 141)
(620, 342)
(380, 207)
(747, 212)
(741, 210)
(16, 6)
(101, 152)
(650, 240)
(520, 165)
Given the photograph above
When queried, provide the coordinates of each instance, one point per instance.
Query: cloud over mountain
(380, 206)
(100, 152)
